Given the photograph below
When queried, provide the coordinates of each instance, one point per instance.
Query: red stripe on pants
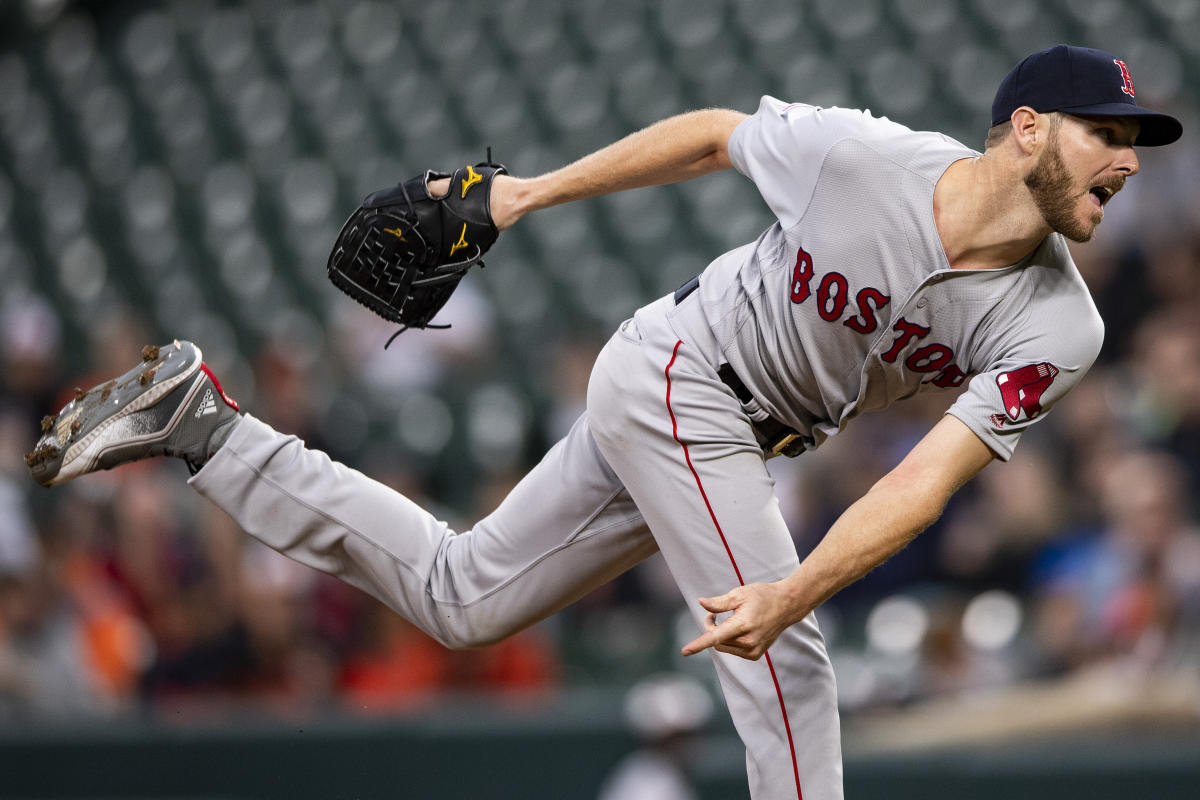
(700, 485)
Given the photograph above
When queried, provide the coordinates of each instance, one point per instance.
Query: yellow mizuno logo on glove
(462, 241)
(473, 178)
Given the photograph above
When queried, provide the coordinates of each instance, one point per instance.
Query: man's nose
(1127, 163)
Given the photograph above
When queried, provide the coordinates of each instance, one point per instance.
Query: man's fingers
(748, 631)
(731, 631)
(739, 647)
(748, 653)
(724, 639)
(700, 643)
(712, 636)
(717, 604)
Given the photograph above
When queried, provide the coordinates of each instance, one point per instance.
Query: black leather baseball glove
(403, 252)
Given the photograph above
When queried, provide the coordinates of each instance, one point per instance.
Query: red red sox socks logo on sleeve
(1022, 390)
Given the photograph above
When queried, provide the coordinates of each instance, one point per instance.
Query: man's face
(1084, 163)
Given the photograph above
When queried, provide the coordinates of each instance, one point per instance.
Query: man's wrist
(511, 198)
(798, 595)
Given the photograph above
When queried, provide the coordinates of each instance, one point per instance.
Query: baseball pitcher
(898, 262)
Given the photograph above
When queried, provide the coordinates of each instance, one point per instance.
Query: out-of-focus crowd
(125, 593)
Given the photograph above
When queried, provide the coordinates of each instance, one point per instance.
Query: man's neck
(985, 216)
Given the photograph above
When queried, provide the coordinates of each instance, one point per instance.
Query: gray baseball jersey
(845, 305)
(848, 303)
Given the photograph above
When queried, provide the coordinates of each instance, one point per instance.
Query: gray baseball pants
(663, 459)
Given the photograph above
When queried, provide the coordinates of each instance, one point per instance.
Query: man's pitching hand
(761, 612)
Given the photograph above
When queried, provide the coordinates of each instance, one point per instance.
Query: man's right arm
(897, 508)
(676, 149)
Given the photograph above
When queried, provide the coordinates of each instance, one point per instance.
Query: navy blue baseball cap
(1083, 82)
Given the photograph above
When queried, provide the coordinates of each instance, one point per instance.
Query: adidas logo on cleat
(207, 406)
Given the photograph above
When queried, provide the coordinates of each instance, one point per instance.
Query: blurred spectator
(292, 393)
(413, 361)
(30, 353)
(1131, 588)
(44, 663)
(116, 332)
(1013, 511)
(397, 667)
(666, 712)
(1165, 370)
(567, 381)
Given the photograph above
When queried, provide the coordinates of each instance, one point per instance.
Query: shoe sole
(74, 442)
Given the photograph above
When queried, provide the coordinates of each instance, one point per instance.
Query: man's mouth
(1101, 195)
(1103, 191)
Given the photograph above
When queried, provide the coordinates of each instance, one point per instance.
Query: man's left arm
(899, 506)
(675, 149)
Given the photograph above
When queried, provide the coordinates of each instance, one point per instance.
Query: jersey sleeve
(1020, 388)
(782, 148)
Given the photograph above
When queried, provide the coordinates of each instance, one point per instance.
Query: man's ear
(1026, 130)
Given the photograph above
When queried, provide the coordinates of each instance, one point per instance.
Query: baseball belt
(776, 437)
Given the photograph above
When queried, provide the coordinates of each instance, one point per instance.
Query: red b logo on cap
(1126, 77)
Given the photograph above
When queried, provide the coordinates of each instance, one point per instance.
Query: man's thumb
(716, 604)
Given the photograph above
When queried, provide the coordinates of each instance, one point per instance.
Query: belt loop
(683, 291)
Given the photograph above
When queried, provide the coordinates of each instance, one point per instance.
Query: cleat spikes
(41, 454)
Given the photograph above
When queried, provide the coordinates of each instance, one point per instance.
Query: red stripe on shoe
(712, 515)
(232, 403)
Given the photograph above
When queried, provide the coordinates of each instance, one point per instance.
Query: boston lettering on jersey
(833, 298)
